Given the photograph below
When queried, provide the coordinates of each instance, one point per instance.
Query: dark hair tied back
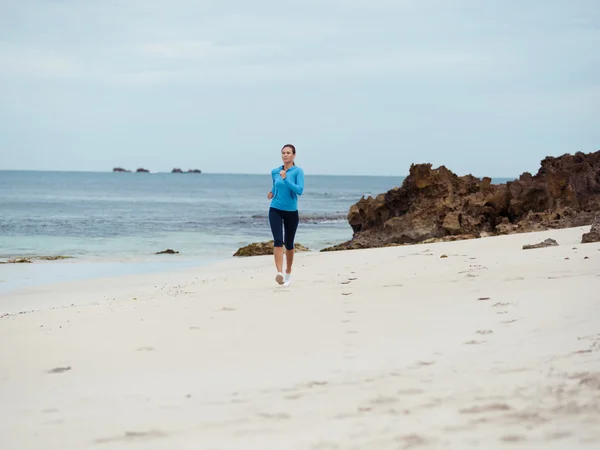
(290, 146)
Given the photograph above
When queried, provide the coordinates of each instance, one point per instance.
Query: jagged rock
(594, 233)
(544, 243)
(142, 170)
(435, 204)
(263, 248)
(176, 170)
(168, 251)
(120, 169)
(194, 171)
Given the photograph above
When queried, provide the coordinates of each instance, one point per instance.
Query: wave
(323, 218)
(315, 218)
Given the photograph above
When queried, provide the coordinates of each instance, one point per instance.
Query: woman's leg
(290, 223)
(276, 223)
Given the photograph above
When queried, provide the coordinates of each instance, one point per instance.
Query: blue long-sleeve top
(286, 191)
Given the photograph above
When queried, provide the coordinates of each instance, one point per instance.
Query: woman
(288, 185)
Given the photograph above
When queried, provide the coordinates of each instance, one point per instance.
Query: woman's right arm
(270, 194)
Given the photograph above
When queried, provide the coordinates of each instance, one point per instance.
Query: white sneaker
(279, 278)
(287, 279)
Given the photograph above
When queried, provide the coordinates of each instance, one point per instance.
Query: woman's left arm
(297, 188)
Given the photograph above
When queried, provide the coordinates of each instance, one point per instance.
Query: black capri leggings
(280, 220)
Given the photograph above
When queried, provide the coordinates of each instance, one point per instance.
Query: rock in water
(437, 205)
(168, 251)
(594, 234)
(545, 243)
(263, 248)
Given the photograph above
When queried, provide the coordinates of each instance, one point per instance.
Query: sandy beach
(461, 345)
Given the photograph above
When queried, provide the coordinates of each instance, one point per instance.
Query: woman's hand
(282, 174)
(270, 195)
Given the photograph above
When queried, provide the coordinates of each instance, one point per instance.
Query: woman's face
(287, 155)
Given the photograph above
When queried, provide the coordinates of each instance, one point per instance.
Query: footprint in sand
(411, 441)
(514, 279)
(129, 436)
(486, 408)
(425, 363)
(60, 369)
(512, 438)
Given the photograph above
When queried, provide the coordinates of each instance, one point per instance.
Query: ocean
(116, 222)
(104, 220)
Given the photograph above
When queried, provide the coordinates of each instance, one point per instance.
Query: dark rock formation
(142, 170)
(594, 234)
(120, 169)
(30, 259)
(263, 248)
(544, 243)
(168, 251)
(176, 170)
(437, 205)
(194, 171)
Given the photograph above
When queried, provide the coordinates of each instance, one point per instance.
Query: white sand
(403, 356)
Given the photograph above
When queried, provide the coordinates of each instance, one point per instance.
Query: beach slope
(459, 345)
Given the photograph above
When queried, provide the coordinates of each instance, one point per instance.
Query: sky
(359, 87)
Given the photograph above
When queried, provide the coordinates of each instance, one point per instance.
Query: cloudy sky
(359, 86)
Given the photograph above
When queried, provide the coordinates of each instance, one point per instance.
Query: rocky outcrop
(120, 169)
(178, 170)
(594, 233)
(543, 244)
(168, 251)
(30, 259)
(263, 248)
(142, 170)
(437, 205)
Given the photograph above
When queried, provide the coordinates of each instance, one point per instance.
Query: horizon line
(133, 172)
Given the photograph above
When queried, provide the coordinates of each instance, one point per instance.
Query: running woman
(288, 185)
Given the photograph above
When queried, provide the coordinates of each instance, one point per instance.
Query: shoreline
(138, 270)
